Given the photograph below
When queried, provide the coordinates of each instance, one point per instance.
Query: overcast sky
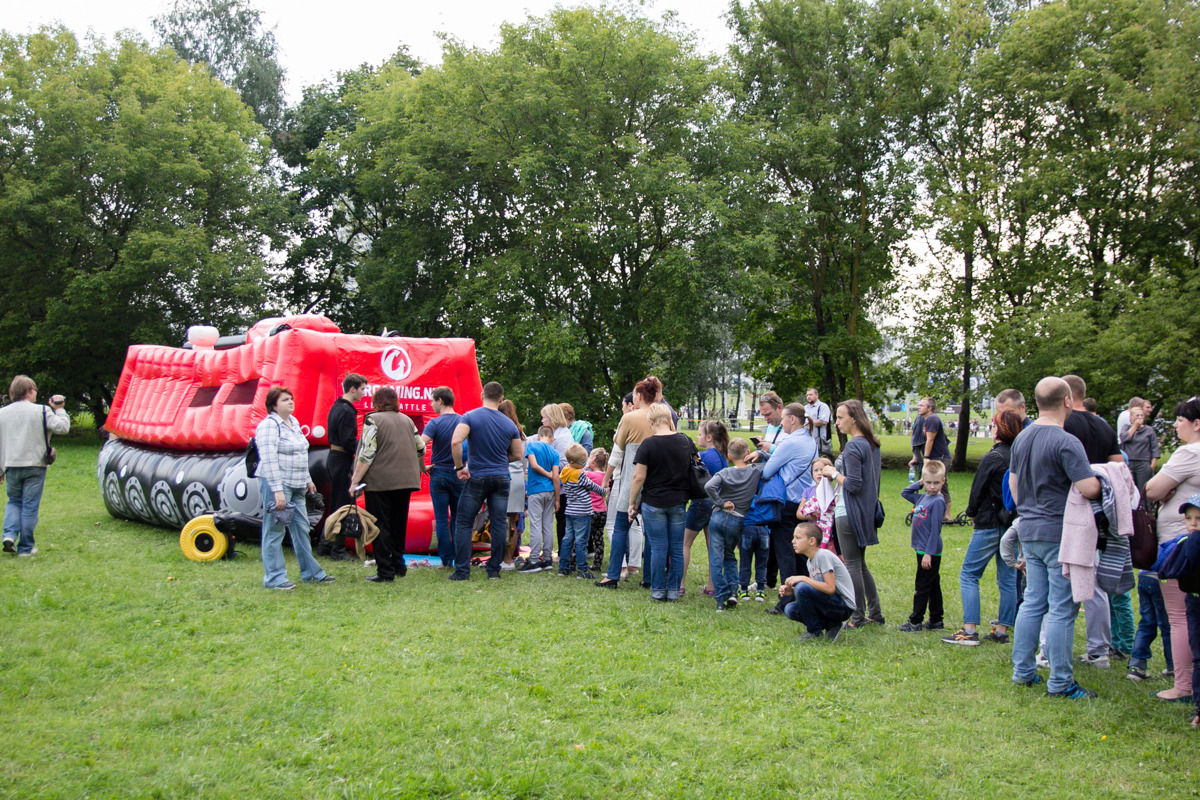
(318, 37)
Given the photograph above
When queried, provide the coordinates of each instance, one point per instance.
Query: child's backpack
(252, 459)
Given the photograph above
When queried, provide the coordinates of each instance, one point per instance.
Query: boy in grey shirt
(732, 490)
(824, 598)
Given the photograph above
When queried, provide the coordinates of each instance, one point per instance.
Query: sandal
(1196, 721)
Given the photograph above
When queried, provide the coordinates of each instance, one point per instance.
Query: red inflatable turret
(181, 417)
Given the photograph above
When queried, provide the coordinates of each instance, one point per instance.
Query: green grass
(130, 672)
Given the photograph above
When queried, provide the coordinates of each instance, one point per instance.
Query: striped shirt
(578, 488)
(282, 453)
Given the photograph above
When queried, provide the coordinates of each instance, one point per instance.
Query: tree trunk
(959, 464)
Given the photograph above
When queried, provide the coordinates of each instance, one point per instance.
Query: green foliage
(130, 206)
(227, 37)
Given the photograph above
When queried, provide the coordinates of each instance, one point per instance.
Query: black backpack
(252, 459)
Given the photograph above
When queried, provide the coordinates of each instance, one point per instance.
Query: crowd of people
(784, 520)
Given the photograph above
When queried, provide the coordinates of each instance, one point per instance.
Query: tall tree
(131, 198)
(228, 36)
(835, 195)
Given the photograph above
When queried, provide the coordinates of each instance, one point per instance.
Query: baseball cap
(1193, 501)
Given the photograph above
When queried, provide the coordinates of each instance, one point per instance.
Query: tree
(228, 37)
(834, 199)
(131, 198)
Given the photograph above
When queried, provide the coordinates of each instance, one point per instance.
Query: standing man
(1012, 400)
(1046, 463)
(819, 414)
(1099, 442)
(445, 489)
(342, 425)
(770, 406)
(25, 429)
(493, 440)
(934, 446)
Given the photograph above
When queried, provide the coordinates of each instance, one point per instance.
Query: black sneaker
(1117, 655)
(934, 626)
(454, 576)
(1075, 692)
(585, 574)
(1138, 674)
(10, 545)
(809, 637)
(833, 632)
(963, 637)
(731, 602)
(996, 637)
(911, 627)
(530, 566)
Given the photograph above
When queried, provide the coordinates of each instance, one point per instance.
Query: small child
(928, 512)
(731, 491)
(576, 486)
(810, 508)
(824, 599)
(597, 463)
(542, 489)
(1153, 615)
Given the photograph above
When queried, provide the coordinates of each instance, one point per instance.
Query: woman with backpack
(283, 477)
(992, 519)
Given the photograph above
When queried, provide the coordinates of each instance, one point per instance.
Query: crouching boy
(824, 598)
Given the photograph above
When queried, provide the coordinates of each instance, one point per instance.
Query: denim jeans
(274, 568)
(724, 531)
(493, 489)
(984, 546)
(579, 528)
(664, 539)
(445, 492)
(817, 610)
(756, 544)
(1048, 596)
(24, 486)
(620, 544)
(1153, 614)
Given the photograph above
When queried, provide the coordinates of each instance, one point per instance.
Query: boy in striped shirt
(578, 489)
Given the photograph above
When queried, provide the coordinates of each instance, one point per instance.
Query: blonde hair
(658, 414)
(576, 455)
(739, 449)
(555, 416)
(20, 388)
(933, 469)
(599, 458)
(822, 460)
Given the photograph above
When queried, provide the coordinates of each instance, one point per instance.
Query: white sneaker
(1099, 662)
(1042, 661)
(507, 567)
(32, 552)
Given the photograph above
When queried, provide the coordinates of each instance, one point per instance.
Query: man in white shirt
(25, 429)
(818, 412)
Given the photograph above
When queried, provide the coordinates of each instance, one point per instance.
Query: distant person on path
(1046, 463)
(342, 425)
(819, 414)
(445, 488)
(25, 429)
(991, 520)
(283, 478)
(491, 438)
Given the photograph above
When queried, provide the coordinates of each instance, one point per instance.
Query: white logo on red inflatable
(395, 363)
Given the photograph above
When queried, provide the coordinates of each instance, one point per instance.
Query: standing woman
(857, 473)
(390, 462)
(283, 478)
(712, 436)
(1178, 480)
(516, 490)
(633, 430)
(659, 490)
(986, 508)
(553, 417)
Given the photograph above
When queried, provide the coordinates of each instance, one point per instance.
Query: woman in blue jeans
(659, 490)
(986, 507)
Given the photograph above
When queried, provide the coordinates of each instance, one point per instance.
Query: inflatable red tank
(181, 417)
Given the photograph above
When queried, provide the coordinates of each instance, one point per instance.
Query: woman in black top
(986, 506)
(659, 490)
(857, 472)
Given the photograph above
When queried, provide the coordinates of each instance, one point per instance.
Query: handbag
(879, 514)
(697, 476)
(51, 453)
(1143, 547)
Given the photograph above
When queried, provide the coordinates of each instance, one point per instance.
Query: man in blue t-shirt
(1046, 462)
(445, 488)
(493, 440)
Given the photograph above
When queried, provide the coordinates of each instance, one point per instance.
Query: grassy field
(130, 672)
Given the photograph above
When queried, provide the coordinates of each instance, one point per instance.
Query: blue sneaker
(1075, 692)
(1034, 681)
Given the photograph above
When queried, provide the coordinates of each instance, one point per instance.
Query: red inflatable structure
(181, 417)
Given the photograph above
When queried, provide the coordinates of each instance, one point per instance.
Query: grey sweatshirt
(735, 484)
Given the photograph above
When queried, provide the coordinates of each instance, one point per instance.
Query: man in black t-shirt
(342, 424)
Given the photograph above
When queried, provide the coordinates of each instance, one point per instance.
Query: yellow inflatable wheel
(201, 541)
